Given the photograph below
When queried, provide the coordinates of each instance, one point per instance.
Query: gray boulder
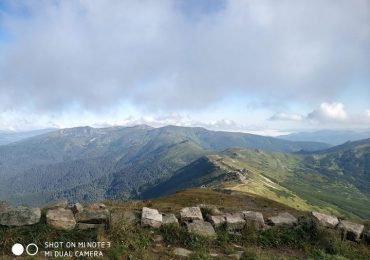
(93, 216)
(191, 213)
(182, 252)
(351, 230)
(234, 221)
(170, 219)
(86, 226)
(56, 204)
(61, 219)
(20, 216)
(126, 216)
(4, 205)
(151, 218)
(202, 228)
(325, 220)
(158, 238)
(283, 219)
(217, 220)
(237, 255)
(254, 219)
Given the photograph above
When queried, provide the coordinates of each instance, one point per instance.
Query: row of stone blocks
(62, 216)
(192, 217)
(59, 215)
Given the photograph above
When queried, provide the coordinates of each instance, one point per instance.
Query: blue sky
(263, 66)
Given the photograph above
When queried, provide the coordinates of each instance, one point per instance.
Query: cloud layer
(328, 114)
(159, 55)
(287, 117)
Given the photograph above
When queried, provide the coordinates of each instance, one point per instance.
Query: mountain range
(332, 137)
(88, 164)
(7, 137)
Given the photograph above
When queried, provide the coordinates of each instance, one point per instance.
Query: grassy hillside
(291, 179)
(335, 180)
(87, 164)
(131, 241)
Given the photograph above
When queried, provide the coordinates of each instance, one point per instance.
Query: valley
(88, 164)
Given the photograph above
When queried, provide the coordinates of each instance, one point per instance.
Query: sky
(260, 66)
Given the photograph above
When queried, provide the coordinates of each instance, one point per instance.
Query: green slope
(302, 181)
(121, 162)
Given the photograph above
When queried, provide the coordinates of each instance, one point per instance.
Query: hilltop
(335, 180)
(88, 164)
(250, 227)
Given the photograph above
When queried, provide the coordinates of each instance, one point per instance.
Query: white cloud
(218, 125)
(329, 111)
(287, 117)
(155, 55)
(160, 59)
(368, 112)
(14, 121)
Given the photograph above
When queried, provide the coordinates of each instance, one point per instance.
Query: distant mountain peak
(333, 137)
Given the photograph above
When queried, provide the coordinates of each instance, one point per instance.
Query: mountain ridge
(333, 137)
(89, 164)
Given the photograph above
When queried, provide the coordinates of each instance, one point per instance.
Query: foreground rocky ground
(197, 223)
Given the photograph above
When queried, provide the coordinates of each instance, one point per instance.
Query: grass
(179, 236)
(132, 241)
(298, 182)
(129, 240)
(39, 234)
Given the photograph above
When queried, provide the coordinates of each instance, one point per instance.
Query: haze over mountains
(86, 164)
(7, 137)
(333, 137)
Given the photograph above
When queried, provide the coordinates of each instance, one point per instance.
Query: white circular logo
(17, 249)
(34, 251)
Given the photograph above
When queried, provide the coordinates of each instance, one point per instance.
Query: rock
(325, 220)
(217, 220)
(4, 205)
(56, 204)
(283, 219)
(96, 206)
(213, 210)
(254, 219)
(234, 221)
(151, 218)
(170, 219)
(237, 255)
(77, 207)
(61, 219)
(20, 216)
(93, 216)
(128, 217)
(158, 238)
(192, 213)
(182, 252)
(202, 228)
(351, 230)
(86, 226)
